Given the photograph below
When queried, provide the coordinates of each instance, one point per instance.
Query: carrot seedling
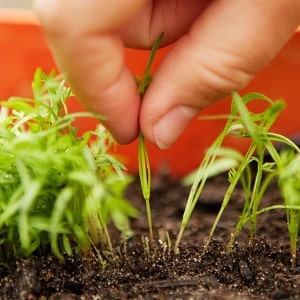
(256, 127)
(143, 158)
(242, 124)
(284, 166)
(289, 182)
(59, 189)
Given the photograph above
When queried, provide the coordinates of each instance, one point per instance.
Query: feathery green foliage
(58, 189)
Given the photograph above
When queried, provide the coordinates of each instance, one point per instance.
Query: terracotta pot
(23, 48)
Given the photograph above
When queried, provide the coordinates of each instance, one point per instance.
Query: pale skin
(219, 46)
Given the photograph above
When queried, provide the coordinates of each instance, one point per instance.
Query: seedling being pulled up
(143, 158)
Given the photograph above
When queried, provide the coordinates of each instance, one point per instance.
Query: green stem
(143, 158)
(145, 179)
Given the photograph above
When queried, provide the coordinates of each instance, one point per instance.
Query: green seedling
(211, 158)
(143, 158)
(284, 166)
(256, 127)
(58, 189)
(264, 142)
(289, 182)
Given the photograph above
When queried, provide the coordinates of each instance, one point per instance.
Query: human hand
(220, 45)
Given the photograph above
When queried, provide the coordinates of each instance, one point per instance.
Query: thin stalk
(143, 158)
(255, 201)
(229, 192)
(246, 214)
(200, 180)
(145, 180)
(202, 174)
(293, 220)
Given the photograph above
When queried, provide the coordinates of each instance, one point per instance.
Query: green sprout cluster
(251, 170)
(58, 189)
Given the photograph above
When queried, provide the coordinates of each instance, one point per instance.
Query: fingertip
(170, 126)
(120, 106)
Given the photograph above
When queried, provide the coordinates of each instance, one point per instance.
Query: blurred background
(16, 3)
(23, 48)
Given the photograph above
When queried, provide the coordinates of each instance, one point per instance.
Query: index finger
(83, 39)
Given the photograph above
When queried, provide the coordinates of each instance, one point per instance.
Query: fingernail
(167, 130)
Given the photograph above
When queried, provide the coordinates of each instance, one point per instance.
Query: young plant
(143, 158)
(266, 171)
(240, 123)
(202, 174)
(284, 166)
(256, 127)
(289, 182)
(58, 188)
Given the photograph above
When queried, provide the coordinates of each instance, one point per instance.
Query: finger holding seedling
(87, 40)
(219, 46)
(225, 47)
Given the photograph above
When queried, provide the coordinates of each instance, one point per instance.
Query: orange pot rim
(18, 16)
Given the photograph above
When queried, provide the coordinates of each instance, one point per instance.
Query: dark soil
(262, 271)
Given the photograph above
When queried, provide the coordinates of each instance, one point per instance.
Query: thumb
(227, 45)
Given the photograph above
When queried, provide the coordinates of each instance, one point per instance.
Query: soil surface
(262, 271)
